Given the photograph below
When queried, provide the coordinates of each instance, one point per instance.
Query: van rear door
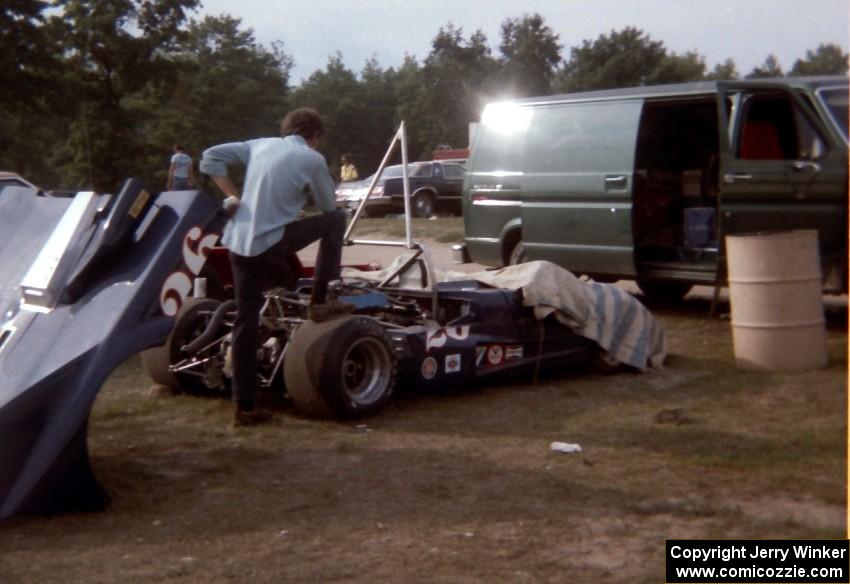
(577, 185)
(780, 168)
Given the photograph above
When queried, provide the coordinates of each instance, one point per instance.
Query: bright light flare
(506, 118)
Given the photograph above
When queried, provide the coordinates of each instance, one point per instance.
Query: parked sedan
(434, 186)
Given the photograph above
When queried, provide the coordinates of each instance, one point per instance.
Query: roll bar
(421, 254)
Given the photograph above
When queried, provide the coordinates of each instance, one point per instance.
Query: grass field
(460, 486)
(440, 229)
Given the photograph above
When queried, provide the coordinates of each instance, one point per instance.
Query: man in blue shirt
(264, 230)
(181, 173)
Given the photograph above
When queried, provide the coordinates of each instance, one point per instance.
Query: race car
(90, 281)
(413, 328)
(349, 367)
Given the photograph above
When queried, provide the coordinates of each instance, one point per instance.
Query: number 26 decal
(438, 337)
(178, 285)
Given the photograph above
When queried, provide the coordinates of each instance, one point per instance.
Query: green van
(643, 183)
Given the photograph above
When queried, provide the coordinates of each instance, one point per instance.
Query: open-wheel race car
(90, 281)
(413, 326)
(348, 367)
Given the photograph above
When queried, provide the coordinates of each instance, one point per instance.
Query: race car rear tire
(343, 368)
(191, 321)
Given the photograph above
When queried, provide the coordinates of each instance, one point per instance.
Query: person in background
(181, 174)
(264, 230)
(347, 171)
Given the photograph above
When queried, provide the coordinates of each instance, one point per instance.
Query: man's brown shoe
(255, 417)
(328, 310)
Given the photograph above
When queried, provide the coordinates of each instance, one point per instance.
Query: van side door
(577, 185)
(780, 167)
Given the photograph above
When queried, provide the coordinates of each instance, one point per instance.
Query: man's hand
(231, 204)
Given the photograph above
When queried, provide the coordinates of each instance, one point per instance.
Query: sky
(745, 30)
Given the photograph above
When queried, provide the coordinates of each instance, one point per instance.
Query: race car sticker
(436, 338)
(429, 368)
(452, 363)
(196, 247)
(513, 353)
(495, 354)
(178, 284)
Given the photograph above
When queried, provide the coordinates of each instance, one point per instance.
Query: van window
(500, 146)
(581, 137)
(774, 128)
(836, 102)
(811, 143)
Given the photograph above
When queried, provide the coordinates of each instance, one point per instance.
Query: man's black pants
(253, 275)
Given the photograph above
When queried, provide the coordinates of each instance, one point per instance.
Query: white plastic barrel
(776, 297)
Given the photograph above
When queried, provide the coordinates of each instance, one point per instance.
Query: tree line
(98, 90)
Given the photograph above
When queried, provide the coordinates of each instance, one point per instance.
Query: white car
(12, 179)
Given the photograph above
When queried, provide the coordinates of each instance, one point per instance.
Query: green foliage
(724, 71)
(452, 90)
(530, 55)
(113, 49)
(98, 90)
(675, 68)
(621, 59)
(827, 59)
(348, 116)
(770, 68)
(224, 88)
(627, 58)
(30, 71)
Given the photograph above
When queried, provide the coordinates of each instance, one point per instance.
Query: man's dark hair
(304, 121)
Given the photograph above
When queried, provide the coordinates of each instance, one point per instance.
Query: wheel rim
(423, 206)
(366, 370)
(196, 379)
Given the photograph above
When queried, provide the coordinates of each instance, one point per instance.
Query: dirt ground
(460, 486)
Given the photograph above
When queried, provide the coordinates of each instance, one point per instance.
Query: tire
(423, 205)
(664, 292)
(191, 321)
(517, 255)
(343, 368)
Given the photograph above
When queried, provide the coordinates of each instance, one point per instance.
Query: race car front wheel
(343, 368)
(190, 323)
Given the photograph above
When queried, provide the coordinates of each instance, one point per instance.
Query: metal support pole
(407, 226)
(375, 179)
